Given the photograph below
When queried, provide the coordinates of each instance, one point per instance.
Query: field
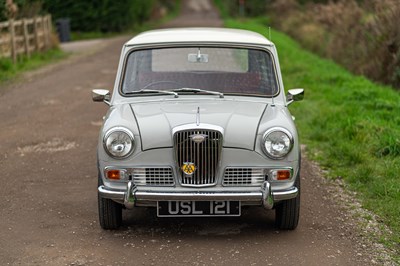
(350, 125)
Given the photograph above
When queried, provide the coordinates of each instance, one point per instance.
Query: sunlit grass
(9, 70)
(350, 125)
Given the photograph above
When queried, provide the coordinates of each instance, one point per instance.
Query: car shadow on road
(144, 221)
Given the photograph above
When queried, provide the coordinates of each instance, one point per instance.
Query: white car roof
(206, 35)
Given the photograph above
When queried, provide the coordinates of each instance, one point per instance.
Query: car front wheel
(110, 212)
(288, 211)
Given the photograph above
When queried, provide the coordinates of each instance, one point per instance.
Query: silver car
(198, 125)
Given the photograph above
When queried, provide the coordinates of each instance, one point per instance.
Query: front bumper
(265, 196)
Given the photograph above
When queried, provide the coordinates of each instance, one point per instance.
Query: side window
(262, 64)
(137, 62)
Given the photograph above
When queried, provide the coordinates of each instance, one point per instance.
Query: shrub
(384, 61)
(361, 35)
(19, 9)
(251, 7)
(100, 15)
(88, 15)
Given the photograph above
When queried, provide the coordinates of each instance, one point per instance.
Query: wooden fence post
(12, 39)
(26, 38)
(35, 32)
(44, 33)
(50, 30)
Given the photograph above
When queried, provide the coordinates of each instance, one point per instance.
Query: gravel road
(48, 196)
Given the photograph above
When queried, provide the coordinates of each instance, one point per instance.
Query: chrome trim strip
(199, 196)
(197, 127)
(262, 47)
(198, 117)
(111, 194)
(265, 196)
(285, 194)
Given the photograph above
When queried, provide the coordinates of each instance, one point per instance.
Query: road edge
(369, 230)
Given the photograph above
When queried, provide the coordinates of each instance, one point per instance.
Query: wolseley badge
(188, 168)
(198, 138)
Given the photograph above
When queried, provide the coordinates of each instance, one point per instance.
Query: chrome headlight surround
(277, 142)
(119, 142)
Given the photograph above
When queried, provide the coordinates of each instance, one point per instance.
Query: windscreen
(226, 70)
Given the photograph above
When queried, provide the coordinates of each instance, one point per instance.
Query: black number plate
(198, 208)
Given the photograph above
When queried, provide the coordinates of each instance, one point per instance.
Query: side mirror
(99, 95)
(295, 95)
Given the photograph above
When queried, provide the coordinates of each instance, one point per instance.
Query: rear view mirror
(295, 95)
(198, 58)
(99, 95)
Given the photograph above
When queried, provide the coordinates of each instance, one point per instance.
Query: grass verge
(350, 125)
(9, 70)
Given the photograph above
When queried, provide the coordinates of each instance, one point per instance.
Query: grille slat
(204, 156)
(152, 176)
(243, 177)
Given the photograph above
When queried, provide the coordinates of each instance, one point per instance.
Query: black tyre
(110, 212)
(288, 211)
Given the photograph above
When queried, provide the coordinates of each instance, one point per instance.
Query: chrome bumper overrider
(266, 196)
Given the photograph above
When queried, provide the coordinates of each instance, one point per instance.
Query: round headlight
(119, 142)
(277, 143)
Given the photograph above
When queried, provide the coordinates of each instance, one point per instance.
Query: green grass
(9, 70)
(350, 125)
(223, 9)
(149, 25)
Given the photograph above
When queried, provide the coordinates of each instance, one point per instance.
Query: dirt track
(48, 197)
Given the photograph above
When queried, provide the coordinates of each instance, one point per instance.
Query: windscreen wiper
(221, 95)
(154, 91)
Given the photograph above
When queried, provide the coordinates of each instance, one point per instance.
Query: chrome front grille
(152, 176)
(243, 177)
(197, 151)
